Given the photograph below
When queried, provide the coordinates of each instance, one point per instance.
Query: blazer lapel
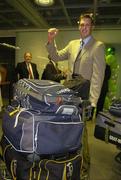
(86, 47)
(24, 65)
(77, 49)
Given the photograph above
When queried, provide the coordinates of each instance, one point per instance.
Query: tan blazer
(92, 62)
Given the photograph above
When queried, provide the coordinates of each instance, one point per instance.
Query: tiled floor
(103, 165)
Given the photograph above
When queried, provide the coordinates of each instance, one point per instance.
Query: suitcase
(108, 128)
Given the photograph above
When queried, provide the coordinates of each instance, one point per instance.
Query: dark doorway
(7, 60)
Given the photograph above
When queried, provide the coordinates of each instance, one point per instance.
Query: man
(92, 57)
(90, 63)
(26, 69)
(52, 72)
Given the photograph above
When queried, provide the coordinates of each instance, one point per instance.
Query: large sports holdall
(43, 133)
(108, 128)
(56, 167)
(43, 95)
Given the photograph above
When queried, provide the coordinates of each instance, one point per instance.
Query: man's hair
(27, 53)
(89, 16)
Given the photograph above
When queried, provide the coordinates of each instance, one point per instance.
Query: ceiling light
(44, 2)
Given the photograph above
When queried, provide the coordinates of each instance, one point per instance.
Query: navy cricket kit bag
(43, 128)
(108, 128)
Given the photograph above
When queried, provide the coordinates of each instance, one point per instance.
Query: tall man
(26, 69)
(90, 63)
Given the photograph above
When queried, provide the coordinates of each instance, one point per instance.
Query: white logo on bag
(63, 91)
(69, 169)
(115, 139)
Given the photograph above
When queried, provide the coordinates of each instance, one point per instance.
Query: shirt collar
(86, 40)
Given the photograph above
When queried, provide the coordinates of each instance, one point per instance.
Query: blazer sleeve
(55, 54)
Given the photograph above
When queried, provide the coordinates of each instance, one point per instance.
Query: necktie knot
(81, 44)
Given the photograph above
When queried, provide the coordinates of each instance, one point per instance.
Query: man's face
(85, 27)
(27, 57)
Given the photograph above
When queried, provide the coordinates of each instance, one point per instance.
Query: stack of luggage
(42, 132)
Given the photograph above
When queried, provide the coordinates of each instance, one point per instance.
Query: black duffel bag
(79, 85)
(115, 108)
